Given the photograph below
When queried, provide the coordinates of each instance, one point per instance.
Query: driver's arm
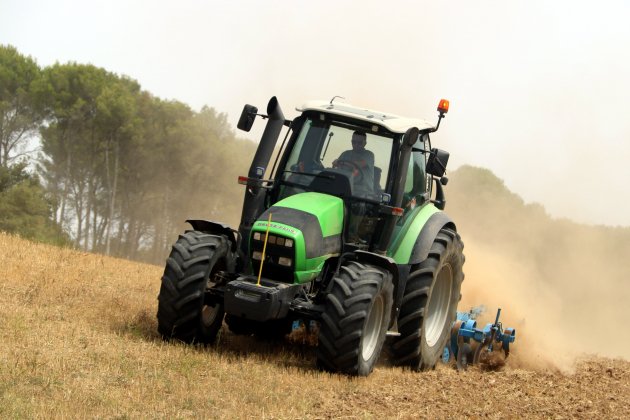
(342, 156)
(369, 162)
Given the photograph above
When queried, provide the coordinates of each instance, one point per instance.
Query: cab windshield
(361, 153)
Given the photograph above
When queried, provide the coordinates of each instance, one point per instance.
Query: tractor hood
(314, 223)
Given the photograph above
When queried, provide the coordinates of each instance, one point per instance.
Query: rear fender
(422, 246)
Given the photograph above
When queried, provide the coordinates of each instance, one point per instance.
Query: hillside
(563, 285)
(77, 339)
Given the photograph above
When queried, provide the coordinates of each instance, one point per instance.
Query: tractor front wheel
(429, 304)
(355, 319)
(185, 311)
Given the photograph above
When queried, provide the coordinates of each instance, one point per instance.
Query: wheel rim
(209, 314)
(438, 307)
(372, 328)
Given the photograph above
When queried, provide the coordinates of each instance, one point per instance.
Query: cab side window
(415, 184)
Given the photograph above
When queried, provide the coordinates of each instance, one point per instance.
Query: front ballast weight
(470, 345)
(262, 301)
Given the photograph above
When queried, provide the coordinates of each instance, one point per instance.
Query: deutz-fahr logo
(276, 226)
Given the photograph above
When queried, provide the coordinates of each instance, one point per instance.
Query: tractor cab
(349, 161)
(354, 160)
(354, 154)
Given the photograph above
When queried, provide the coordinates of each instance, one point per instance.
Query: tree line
(116, 169)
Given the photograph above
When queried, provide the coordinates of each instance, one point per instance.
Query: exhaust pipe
(269, 138)
(254, 197)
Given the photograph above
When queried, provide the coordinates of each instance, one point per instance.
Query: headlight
(284, 261)
(257, 255)
(274, 240)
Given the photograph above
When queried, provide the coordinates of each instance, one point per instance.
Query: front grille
(272, 269)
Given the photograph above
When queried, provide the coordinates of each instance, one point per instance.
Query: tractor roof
(394, 123)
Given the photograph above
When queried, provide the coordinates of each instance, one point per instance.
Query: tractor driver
(361, 162)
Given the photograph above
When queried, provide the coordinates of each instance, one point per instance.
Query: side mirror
(437, 162)
(247, 118)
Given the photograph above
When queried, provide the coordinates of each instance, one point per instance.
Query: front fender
(216, 228)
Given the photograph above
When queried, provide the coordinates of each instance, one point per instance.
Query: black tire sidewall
(410, 348)
(385, 292)
(174, 321)
(431, 355)
(346, 314)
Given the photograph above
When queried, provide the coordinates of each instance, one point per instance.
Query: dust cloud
(535, 311)
(562, 285)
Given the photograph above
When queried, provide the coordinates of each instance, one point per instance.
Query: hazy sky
(538, 89)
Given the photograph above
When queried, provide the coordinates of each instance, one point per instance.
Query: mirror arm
(440, 200)
(433, 130)
(286, 123)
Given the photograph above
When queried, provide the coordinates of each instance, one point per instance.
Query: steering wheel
(357, 171)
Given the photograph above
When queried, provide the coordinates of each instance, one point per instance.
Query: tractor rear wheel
(185, 311)
(355, 319)
(429, 305)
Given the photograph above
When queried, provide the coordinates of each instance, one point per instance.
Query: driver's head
(358, 141)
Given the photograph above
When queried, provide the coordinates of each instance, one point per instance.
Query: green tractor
(347, 230)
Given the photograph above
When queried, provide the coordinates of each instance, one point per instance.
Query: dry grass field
(77, 339)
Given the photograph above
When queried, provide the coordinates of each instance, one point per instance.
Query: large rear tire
(185, 311)
(355, 319)
(429, 305)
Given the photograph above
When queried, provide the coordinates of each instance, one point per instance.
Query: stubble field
(77, 339)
